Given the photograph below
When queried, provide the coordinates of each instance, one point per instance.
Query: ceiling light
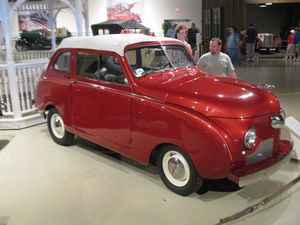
(262, 6)
(269, 3)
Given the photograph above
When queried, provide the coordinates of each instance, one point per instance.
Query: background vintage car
(39, 39)
(144, 97)
(269, 43)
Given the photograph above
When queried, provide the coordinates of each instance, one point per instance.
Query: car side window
(100, 67)
(87, 65)
(63, 62)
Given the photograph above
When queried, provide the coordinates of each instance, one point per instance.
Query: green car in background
(36, 40)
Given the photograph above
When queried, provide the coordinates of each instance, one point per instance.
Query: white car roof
(113, 42)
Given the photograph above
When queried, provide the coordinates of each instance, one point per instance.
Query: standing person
(233, 44)
(243, 41)
(297, 44)
(217, 62)
(171, 32)
(192, 37)
(181, 35)
(250, 45)
(290, 49)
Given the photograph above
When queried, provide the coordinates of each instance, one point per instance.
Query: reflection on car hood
(209, 95)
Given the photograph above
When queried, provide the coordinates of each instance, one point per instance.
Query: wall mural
(32, 21)
(125, 9)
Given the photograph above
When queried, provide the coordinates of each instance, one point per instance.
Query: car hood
(210, 95)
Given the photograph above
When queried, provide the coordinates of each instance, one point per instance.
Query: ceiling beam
(271, 1)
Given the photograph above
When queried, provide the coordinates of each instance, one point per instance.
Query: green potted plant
(165, 26)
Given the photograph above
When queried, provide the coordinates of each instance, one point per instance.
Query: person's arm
(168, 33)
(231, 68)
(237, 40)
(201, 64)
(233, 74)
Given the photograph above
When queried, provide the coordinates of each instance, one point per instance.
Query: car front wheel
(57, 128)
(177, 171)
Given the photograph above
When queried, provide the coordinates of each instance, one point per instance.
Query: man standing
(217, 62)
(171, 32)
(232, 44)
(297, 44)
(251, 38)
(192, 37)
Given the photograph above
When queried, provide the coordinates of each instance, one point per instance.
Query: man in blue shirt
(297, 44)
(172, 31)
(232, 44)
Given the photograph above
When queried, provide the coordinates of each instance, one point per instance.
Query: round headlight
(250, 138)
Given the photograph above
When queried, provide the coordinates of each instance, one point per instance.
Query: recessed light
(269, 3)
(262, 6)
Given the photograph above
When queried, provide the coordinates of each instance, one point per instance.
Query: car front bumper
(269, 167)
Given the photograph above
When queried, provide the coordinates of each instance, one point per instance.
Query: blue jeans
(234, 54)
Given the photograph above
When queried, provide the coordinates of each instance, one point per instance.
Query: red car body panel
(205, 115)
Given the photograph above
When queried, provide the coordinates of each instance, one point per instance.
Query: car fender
(155, 123)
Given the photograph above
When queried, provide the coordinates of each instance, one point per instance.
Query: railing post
(78, 16)
(13, 88)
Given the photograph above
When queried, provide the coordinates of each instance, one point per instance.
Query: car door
(58, 83)
(101, 103)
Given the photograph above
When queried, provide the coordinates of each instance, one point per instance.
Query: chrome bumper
(262, 174)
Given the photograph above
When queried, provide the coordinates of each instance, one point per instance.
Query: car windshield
(151, 59)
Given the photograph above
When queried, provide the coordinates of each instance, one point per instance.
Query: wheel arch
(47, 108)
(155, 153)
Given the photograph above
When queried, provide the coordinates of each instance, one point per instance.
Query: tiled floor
(42, 183)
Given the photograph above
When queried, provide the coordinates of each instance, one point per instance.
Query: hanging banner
(125, 10)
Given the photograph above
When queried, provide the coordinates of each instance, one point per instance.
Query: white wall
(66, 18)
(97, 11)
(155, 12)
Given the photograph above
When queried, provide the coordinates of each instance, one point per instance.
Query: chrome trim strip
(121, 91)
(277, 121)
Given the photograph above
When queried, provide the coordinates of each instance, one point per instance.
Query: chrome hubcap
(176, 168)
(57, 126)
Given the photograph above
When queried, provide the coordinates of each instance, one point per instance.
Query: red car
(145, 98)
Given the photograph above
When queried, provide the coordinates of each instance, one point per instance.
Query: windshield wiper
(190, 65)
(153, 71)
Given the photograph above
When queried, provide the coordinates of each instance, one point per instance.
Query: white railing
(31, 55)
(27, 74)
(4, 90)
(40, 6)
(25, 55)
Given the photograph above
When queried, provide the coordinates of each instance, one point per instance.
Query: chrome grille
(264, 151)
